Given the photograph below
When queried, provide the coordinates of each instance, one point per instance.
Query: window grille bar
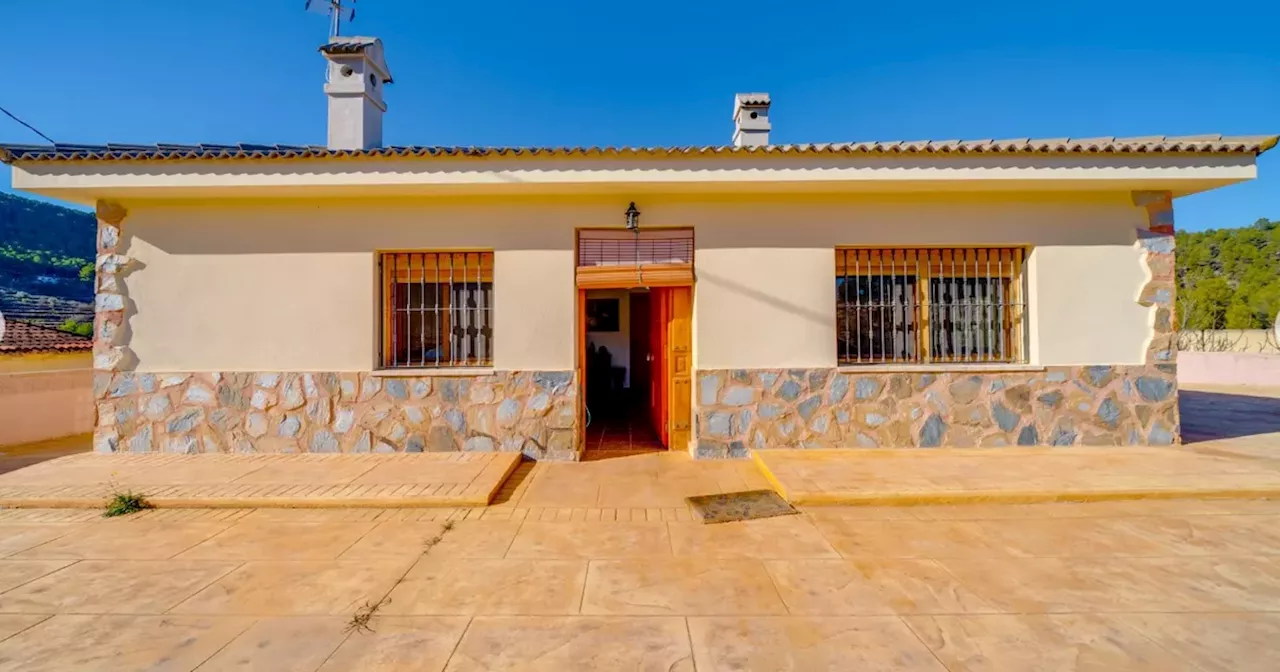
(395, 324)
(439, 310)
(921, 305)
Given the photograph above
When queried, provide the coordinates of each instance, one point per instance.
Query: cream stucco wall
(45, 396)
(280, 285)
(765, 294)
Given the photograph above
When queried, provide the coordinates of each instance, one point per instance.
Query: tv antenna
(338, 11)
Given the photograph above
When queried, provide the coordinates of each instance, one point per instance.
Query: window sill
(941, 367)
(427, 373)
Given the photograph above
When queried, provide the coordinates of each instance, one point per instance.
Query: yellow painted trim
(777, 485)
(1021, 497)
(909, 498)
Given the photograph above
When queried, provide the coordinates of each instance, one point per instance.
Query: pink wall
(45, 405)
(1229, 368)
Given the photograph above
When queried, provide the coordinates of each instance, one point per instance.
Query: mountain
(46, 261)
(1229, 278)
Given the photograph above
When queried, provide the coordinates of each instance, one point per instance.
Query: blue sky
(660, 72)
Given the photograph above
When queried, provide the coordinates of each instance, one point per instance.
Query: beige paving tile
(18, 538)
(12, 624)
(781, 537)
(859, 512)
(463, 586)
(1064, 537)
(425, 471)
(979, 511)
(662, 491)
(280, 645)
(399, 644)
(872, 587)
(1058, 585)
(560, 492)
(549, 540)
(467, 539)
(574, 643)
(310, 472)
(1075, 642)
(1206, 535)
(116, 643)
(682, 586)
(113, 587)
(1221, 583)
(808, 644)
(282, 588)
(263, 540)
(190, 472)
(906, 539)
(14, 573)
(126, 540)
(1214, 642)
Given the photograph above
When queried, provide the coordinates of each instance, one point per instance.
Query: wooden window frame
(925, 264)
(449, 271)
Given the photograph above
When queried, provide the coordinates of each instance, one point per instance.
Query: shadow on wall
(722, 221)
(767, 299)
(1217, 415)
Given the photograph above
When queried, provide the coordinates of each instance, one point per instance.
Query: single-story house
(45, 383)
(359, 297)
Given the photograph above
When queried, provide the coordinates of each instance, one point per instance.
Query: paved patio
(1233, 450)
(307, 480)
(599, 566)
(1147, 585)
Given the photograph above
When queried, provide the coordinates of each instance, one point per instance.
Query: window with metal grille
(437, 309)
(922, 305)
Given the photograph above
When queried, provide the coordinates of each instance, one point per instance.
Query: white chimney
(751, 120)
(356, 76)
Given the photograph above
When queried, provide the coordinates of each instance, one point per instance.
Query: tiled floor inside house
(619, 434)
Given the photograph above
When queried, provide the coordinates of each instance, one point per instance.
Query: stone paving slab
(1012, 475)
(256, 481)
(1171, 585)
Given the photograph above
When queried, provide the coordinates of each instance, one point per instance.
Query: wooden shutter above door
(617, 258)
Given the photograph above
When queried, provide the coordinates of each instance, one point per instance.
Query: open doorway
(620, 363)
(636, 351)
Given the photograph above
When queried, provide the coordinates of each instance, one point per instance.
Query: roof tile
(1198, 144)
(25, 337)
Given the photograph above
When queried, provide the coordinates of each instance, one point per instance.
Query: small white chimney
(357, 73)
(751, 120)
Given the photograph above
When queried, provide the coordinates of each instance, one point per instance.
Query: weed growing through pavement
(124, 502)
(360, 621)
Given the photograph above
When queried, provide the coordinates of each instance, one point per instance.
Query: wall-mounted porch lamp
(633, 218)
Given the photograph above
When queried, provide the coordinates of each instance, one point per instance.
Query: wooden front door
(670, 370)
(658, 309)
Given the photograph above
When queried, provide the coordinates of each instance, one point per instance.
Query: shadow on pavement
(27, 454)
(1220, 415)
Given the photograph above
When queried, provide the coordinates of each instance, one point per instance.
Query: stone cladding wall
(534, 413)
(740, 410)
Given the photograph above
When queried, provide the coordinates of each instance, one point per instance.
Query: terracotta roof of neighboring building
(24, 337)
(1156, 144)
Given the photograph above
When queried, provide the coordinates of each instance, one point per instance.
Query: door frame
(677, 358)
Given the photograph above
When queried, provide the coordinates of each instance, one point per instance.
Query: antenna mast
(338, 11)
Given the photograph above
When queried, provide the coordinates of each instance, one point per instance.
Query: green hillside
(1229, 278)
(46, 262)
